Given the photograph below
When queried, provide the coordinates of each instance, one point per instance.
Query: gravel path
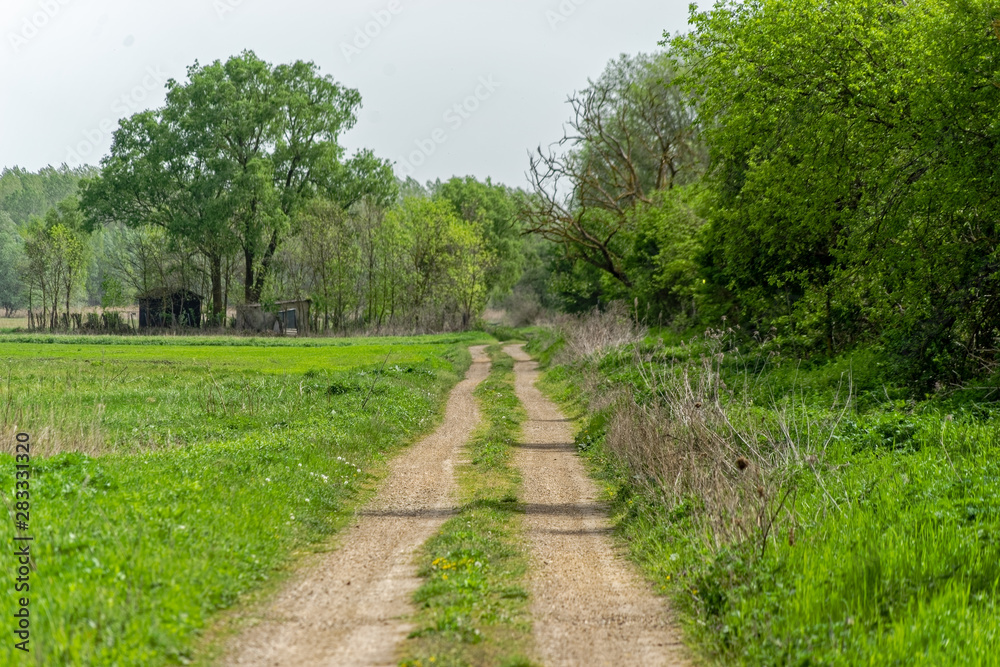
(588, 605)
(347, 610)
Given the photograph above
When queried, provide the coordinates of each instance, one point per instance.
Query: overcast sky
(69, 69)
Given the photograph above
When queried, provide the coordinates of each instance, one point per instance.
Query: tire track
(588, 605)
(348, 609)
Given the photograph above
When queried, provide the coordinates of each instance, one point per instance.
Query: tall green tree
(446, 260)
(238, 150)
(158, 174)
(469, 270)
(333, 257)
(632, 133)
(56, 252)
(11, 259)
(495, 212)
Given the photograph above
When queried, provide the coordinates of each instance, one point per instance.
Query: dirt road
(588, 605)
(347, 609)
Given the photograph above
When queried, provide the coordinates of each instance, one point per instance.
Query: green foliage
(581, 287)
(56, 254)
(849, 196)
(663, 264)
(851, 145)
(593, 431)
(632, 136)
(230, 160)
(333, 258)
(24, 194)
(543, 344)
(533, 294)
(493, 210)
(445, 265)
(503, 334)
(12, 294)
(112, 293)
(224, 461)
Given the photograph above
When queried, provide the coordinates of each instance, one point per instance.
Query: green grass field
(207, 464)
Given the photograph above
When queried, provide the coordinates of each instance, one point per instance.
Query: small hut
(161, 308)
(288, 318)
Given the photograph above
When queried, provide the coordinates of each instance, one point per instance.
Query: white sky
(69, 69)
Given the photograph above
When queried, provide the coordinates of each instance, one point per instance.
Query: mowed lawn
(206, 464)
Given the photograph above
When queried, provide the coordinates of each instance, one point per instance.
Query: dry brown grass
(14, 322)
(687, 437)
(599, 331)
(54, 433)
(53, 428)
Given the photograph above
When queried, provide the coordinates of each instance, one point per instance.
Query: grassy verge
(219, 468)
(885, 551)
(472, 607)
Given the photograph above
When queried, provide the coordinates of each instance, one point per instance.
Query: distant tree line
(43, 257)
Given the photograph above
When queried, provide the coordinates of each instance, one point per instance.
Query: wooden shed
(287, 318)
(162, 308)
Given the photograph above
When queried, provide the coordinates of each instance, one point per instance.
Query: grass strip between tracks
(472, 608)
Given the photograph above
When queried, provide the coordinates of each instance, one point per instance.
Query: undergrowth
(805, 529)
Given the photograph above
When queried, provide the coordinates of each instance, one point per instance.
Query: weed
(599, 330)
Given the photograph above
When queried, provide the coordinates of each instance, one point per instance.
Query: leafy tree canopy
(494, 210)
(853, 148)
(233, 156)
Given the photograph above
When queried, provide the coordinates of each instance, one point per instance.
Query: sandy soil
(589, 607)
(347, 610)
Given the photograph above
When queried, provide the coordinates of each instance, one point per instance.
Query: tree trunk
(225, 295)
(69, 289)
(250, 293)
(829, 322)
(255, 287)
(218, 314)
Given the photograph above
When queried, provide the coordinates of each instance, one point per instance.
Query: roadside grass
(209, 488)
(887, 551)
(472, 606)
